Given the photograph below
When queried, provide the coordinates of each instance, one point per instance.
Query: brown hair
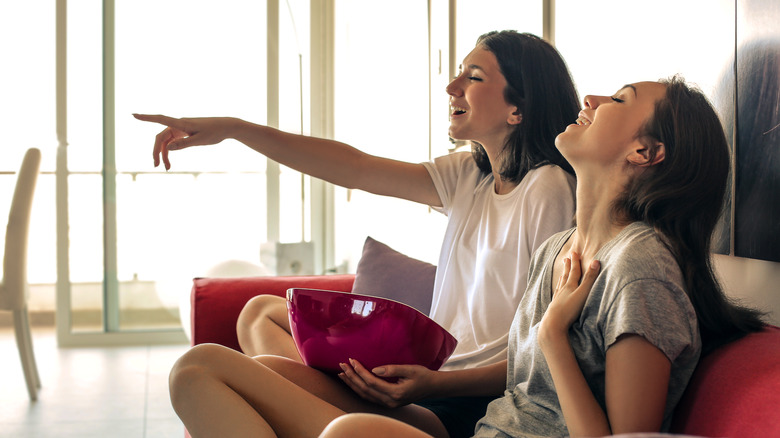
(682, 197)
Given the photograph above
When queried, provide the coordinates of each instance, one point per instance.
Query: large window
(381, 107)
(391, 101)
(138, 234)
(132, 236)
(27, 119)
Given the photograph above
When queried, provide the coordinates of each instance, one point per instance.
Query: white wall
(754, 282)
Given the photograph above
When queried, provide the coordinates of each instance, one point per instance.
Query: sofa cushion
(385, 272)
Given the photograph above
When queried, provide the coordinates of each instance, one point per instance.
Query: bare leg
(217, 391)
(264, 328)
(356, 425)
(336, 393)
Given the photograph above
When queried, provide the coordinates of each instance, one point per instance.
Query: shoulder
(549, 178)
(454, 160)
(451, 171)
(553, 244)
(640, 252)
(643, 292)
(638, 266)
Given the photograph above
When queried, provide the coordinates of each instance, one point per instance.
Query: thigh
(333, 391)
(277, 400)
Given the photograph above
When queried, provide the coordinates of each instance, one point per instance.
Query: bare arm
(332, 161)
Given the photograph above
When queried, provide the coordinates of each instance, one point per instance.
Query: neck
(500, 186)
(493, 149)
(595, 224)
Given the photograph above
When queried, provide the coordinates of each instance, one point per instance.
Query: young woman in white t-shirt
(513, 94)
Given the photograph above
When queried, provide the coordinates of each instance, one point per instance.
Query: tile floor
(119, 392)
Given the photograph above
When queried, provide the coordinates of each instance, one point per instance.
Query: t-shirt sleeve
(658, 311)
(445, 172)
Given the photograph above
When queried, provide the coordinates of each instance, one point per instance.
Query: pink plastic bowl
(330, 327)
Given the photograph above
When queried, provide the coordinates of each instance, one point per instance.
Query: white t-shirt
(483, 267)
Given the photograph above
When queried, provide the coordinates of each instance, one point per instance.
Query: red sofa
(735, 391)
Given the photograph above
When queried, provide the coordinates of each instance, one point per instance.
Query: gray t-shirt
(640, 290)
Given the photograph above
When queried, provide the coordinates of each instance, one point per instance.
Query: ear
(641, 155)
(515, 118)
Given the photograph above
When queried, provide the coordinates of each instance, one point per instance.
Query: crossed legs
(217, 391)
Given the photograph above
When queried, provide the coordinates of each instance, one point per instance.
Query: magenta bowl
(330, 328)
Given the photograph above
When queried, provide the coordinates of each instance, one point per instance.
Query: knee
(349, 425)
(259, 308)
(190, 369)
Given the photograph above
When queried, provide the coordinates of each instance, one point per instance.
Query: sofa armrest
(216, 302)
(735, 390)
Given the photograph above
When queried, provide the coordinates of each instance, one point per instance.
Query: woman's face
(478, 110)
(605, 133)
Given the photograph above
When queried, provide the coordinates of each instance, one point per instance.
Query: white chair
(14, 288)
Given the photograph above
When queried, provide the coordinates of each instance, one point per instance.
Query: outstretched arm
(332, 161)
(637, 373)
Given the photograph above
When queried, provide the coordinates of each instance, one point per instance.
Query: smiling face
(478, 110)
(605, 133)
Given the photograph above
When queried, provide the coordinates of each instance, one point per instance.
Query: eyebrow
(629, 86)
(471, 67)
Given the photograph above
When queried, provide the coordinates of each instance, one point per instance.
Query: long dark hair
(539, 84)
(682, 197)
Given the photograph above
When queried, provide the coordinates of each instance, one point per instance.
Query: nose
(594, 101)
(453, 88)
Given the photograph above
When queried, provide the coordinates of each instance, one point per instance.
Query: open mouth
(582, 121)
(456, 111)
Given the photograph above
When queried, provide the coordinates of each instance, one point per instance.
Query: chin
(567, 136)
(559, 141)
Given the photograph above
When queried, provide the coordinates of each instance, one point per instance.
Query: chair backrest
(12, 296)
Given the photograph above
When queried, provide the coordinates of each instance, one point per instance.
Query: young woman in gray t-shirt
(618, 309)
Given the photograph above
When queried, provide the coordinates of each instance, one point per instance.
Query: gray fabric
(385, 272)
(639, 291)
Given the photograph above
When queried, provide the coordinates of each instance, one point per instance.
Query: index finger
(576, 270)
(173, 122)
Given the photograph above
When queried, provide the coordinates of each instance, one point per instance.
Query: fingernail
(379, 371)
(595, 264)
(343, 366)
(352, 362)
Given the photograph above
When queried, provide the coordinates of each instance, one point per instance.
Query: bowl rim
(291, 290)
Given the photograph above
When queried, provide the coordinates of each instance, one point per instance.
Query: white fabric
(483, 267)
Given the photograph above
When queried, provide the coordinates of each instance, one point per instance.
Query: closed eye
(618, 100)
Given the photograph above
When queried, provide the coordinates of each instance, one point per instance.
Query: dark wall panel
(757, 173)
